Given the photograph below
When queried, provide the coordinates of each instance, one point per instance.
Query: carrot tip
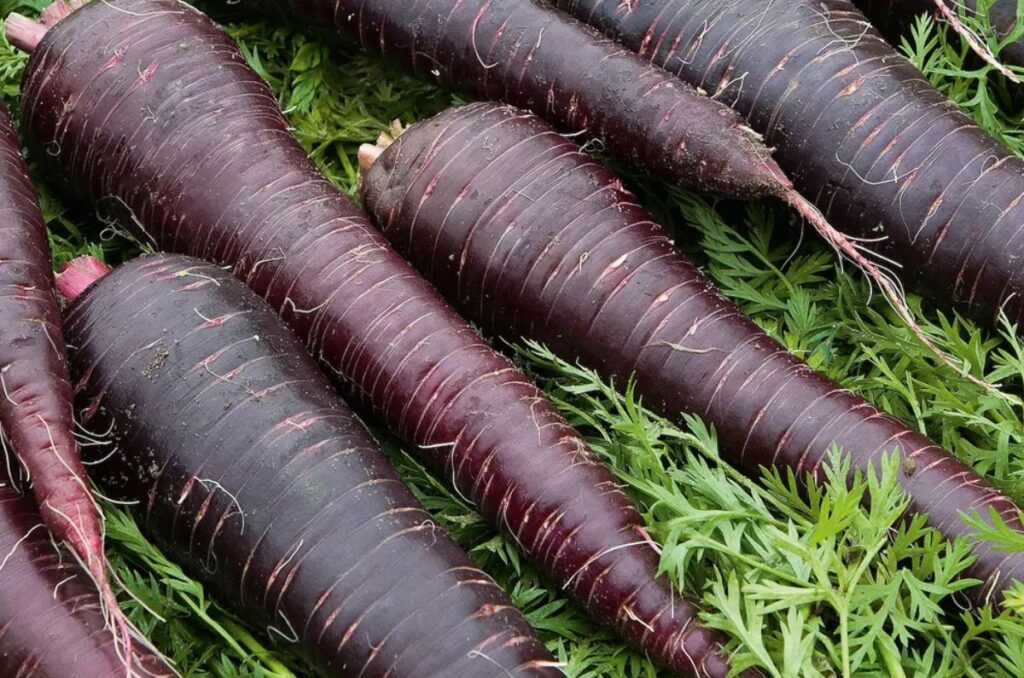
(22, 32)
(78, 274)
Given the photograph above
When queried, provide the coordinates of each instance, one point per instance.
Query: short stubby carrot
(247, 468)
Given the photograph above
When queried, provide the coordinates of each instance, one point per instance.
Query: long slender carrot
(860, 131)
(525, 53)
(52, 621)
(35, 392)
(531, 237)
(148, 103)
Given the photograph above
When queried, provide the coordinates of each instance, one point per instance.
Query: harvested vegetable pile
(818, 584)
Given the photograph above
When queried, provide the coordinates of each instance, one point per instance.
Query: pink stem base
(22, 32)
(78, 274)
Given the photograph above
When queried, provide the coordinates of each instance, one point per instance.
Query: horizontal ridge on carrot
(246, 466)
(857, 128)
(52, 621)
(530, 237)
(35, 391)
(127, 99)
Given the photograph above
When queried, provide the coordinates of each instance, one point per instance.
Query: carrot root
(975, 42)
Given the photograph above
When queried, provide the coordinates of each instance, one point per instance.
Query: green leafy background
(808, 584)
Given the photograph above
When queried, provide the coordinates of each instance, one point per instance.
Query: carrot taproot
(148, 104)
(35, 393)
(893, 17)
(246, 467)
(530, 237)
(859, 130)
(52, 621)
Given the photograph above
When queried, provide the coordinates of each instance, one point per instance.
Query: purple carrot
(128, 99)
(527, 54)
(532, 238)
(52, 622)
(247, 467)
(859, 130)
(35, 393)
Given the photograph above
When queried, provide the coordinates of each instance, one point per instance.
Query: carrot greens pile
(817, 583)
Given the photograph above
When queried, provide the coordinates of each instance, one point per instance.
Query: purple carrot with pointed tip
(52, 622)
(35, 393)
(859, 130)
(127, 98)
(246, 466)
(532, 238)
(528, 54)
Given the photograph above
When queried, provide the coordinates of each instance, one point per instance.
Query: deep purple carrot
(530, 55)
(148, 104)
(52, 622)
(527, 54)
(859, 130)
(532, 238)
(35, 394)
(247, 468)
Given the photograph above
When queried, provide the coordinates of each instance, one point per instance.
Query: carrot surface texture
(528, 54)
(147, 104)
(245, 465)
(53, 622)
(35, 391)
(861, 132)
(531, 237)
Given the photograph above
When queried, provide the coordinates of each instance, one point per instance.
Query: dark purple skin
(35, 390)
(893, 18)
(147, 104)
(530, 55)
(51, 622)
(858, 129)
(530, 237)
(249, 470)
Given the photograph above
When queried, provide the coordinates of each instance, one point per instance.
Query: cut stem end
(78, 274)
(22, 32)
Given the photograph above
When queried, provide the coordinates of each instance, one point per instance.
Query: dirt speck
(160, 355)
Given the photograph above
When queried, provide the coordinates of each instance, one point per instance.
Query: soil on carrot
(815, 585)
